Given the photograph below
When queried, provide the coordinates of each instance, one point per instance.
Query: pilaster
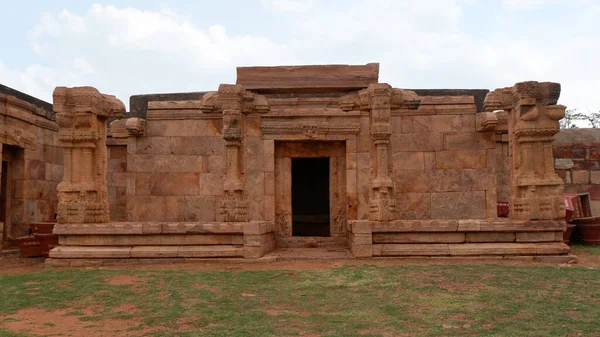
(536, 190)
(81, 114)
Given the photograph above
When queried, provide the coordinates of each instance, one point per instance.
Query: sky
(126, 48)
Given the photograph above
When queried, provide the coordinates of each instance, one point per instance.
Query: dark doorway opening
(310, 197)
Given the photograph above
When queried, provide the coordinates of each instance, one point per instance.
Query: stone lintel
(308, 79)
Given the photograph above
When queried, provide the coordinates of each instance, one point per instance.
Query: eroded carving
(536, 190)
(81, 114)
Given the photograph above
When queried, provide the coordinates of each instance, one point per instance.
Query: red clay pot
(568, 232)
(589, 229)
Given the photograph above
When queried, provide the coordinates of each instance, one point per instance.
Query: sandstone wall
(443, 168)
(577, 162)
(175, 171)
(29, 141)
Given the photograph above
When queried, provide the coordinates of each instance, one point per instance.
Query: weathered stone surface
(167, 183)
(455, 205)
(581, 177)
(415, 226)
(563, 163)
(461, 159)
(413, 205)
(307, 78)
(490, 237)
(410, 249)
(85, 252)
(151, 240)
(211, 251)
(537, 237)
(419, 238)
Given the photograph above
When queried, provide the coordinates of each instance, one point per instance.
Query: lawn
(432, 300)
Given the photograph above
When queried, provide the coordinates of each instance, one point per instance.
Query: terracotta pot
(568, 232)
(29, 246)
(589, 229)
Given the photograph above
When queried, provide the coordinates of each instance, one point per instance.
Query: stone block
(82, 252)
(361, 251)
(581, 177)
(536, 237)
(408, 160)
(452, 123)
(461, 159)
(416, 226)
(35, 169)
(422, 249)
(201, 146)
(429, 159)
(153, 145)
(167, 183)
(214, 164)
(253, 145)
(456, 205)
(417, 142)
(493, 249)
(468, 140)
(257, 240)
(269, 146)
(563, 163)
(552, 248)
(255, 184)
(360, 239)
(490, 237)
(200, 208)
(158, 208)
(258, 227)
(449, 237)
(269, 211)
(167, 163)
(307, 78)
(211, 184)
(203, 228)
(184, 128)
(113, 228)
(360, 226)
(154, 251)
(412, 206)
(450, 180)
(595, 177)
(269, 183)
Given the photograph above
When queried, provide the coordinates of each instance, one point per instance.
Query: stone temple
(301, 156)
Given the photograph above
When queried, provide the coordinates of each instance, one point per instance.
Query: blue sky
(133, 47)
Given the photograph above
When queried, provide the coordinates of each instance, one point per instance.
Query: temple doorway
(310, 197)
(310, 194)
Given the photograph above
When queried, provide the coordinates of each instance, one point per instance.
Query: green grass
(449, 300)
(586, 249)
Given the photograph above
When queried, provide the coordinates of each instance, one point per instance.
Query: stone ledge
(140, 228)
(103, 252)
(468, 249)
(475, 225)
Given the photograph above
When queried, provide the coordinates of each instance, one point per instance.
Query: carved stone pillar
(81, 114)
(234, 206)
(536, 190)
(382, 203)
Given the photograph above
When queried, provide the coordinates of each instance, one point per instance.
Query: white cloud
(420, 44)
(288, 5)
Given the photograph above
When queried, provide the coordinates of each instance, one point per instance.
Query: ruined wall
(577, 162)
(443, 168)
(29, 144)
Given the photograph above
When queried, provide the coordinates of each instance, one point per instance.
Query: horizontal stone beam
(309, 79)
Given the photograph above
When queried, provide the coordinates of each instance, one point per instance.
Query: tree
(593, 118)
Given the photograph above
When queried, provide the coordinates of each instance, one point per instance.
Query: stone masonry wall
(29, 140)
(577, 162)
(175, 171)
(443, 168)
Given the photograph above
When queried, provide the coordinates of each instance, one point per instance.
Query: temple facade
(309, 156)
